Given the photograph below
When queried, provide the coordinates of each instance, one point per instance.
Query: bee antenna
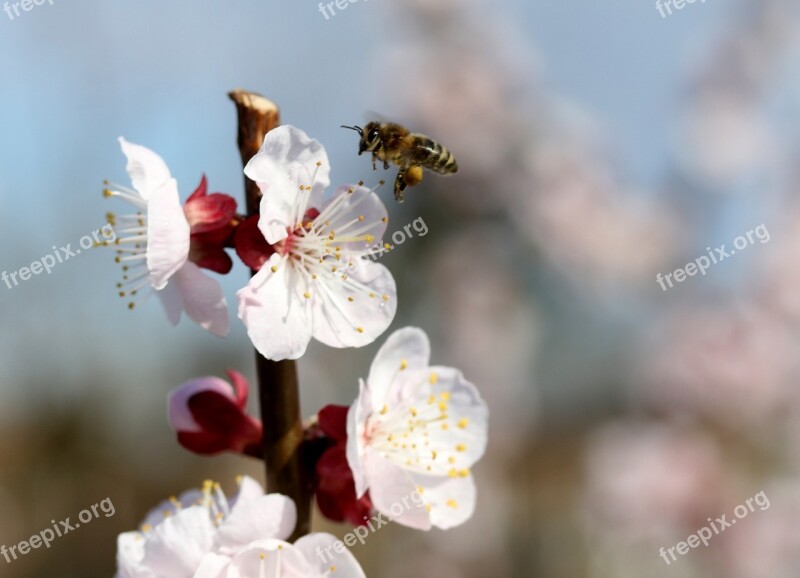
(358, 129)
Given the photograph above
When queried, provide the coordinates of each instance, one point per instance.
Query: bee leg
(399, 187)
(385, 165)
(374, 156)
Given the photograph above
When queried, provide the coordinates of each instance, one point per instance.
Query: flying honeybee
(390, 142)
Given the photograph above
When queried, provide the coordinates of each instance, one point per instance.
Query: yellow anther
(443, 405)
(350, 299)
(274, 268)
(453, 473)
(463, 473)
(463, 422)
(360, 329)
(385, 410)
(361, 217)
(433, 378)
(413, 412)
(461, 447)
(452, 503)
(403, 364)
(307, 295)
(445, 395)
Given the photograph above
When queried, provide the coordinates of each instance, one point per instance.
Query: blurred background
(600, 144)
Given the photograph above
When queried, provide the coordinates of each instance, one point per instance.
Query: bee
(390, 142)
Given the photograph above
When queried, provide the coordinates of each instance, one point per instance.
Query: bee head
(370, 137)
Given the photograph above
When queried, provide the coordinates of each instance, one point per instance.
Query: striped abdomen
(434, 156)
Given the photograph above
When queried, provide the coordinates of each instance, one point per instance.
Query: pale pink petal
(451, 500)
(172, 301)
(356, 419)
(249, 490)
(407, 348)
(313, 546)
(167, 234)
(147, 170)
(287, 160)
(203, 299)
(277, 558)
(392, 489)
(180, 418)
(176, 546)
(213, 566)
(130, 553)
(342, 323)
(272, 307)
(268, 517)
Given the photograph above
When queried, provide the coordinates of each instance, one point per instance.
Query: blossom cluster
(309, 253)
(413, 429)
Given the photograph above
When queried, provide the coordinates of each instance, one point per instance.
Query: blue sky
(80, 73)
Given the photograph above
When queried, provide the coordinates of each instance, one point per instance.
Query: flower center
(421, 434)
(323, 247)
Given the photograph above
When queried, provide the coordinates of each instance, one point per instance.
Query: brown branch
(277, 380)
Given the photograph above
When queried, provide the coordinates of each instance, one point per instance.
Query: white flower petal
(203, 299)
(356, 418)
(167, 234)
(339, 322)
(407, 348)
(313, 547)
(269, 517)
(277, 317)
(469, 416)
(451, 500)
(363, 205)
(287, 160)
(147, 170)
(391, 489)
